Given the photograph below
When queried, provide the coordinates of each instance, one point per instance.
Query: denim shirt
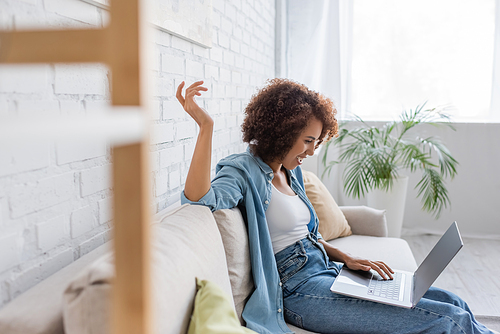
(244, 180)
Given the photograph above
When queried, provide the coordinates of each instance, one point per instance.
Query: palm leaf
(433, 191)
(447, 163)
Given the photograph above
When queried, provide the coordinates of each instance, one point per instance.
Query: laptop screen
(435, 262)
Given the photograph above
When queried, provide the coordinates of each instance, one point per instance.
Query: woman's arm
(198, 177)
(356, 263)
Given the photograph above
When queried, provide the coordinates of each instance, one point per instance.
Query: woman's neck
(276, 167)
(279, 171)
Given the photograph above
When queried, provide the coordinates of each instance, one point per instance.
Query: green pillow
(213, 312)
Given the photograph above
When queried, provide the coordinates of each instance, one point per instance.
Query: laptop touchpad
(355, 277)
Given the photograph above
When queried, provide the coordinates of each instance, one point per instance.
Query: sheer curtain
(317, 55)
(313, 45)
(495, 87)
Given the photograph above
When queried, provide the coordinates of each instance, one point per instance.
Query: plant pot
(393, 202)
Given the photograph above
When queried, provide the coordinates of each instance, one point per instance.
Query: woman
(285, 122)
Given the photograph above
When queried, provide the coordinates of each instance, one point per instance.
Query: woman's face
(304, 145)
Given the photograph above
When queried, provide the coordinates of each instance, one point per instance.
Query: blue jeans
(307, 274)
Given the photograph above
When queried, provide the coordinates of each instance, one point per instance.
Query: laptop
(407, 288)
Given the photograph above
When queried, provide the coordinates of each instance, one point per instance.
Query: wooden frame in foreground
(122, 46)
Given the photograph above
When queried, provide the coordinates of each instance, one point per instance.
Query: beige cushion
(365, 220)
(39, 310)
(186, 244)
(332, 223)
(235, 239)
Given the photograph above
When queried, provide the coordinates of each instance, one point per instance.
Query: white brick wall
(161, 183)
(17, 158)
(27, 79)
(28, 108)
(172, 110)
(67, 152)
(80, 79)
(82, 221)
(95, 179)
(105, 210)
(184, 130)
(30, 273)
(94, 242)
(10, 251)
(34, 196)
(171, 155)
(56, 198)
(52, 233)
(162, 133)
(172, 64)
(73, 9)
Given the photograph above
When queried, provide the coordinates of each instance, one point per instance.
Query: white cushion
(234, 235)
(86, 305)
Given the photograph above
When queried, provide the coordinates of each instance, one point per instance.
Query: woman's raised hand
(198, 177)
(189, 104)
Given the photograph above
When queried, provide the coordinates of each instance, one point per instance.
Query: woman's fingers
(179, 93)
(197, 86)
(382, 270)
(191, 91)
(380, 267)
(194, 84)
(189, 104)
(194, 90)
(386, 268)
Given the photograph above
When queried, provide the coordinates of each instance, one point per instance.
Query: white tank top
(287, 219)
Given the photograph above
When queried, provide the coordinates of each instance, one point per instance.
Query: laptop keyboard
(390, 289)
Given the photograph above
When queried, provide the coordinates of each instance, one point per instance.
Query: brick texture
(31, 197)
(22, 157)
(82, 221)
(10, 251)
(52, 233)
(95, 179)
(56, 198)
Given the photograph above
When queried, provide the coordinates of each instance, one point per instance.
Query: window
(407, 52)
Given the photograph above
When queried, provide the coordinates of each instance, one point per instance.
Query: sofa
(189, 242)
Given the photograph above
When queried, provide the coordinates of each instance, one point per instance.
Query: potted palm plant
(375, 156)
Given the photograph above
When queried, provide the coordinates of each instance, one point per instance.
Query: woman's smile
(304, 146)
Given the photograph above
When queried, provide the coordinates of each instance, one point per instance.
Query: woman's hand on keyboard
(356, 263)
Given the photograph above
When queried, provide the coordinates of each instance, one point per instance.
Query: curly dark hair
(278, 113)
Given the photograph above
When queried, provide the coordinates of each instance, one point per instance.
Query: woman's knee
(448, 316)
(445, 296)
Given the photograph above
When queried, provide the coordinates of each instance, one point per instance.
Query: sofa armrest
(366, 221)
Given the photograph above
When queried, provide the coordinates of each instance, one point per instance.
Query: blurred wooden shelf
(116, 128)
